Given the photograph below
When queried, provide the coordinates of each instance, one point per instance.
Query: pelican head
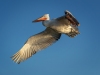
(43, 18)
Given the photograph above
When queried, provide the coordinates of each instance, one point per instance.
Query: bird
(66, 24)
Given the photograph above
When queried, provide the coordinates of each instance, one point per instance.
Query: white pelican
(66, 24)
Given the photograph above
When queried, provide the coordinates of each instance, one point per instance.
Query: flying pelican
(66, 24)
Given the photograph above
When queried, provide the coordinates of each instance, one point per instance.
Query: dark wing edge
(36, 43)
(71, 18)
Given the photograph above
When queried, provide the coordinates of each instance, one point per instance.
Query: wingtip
(78, 24)
(66, 12)
(14, 61)
(32, 21)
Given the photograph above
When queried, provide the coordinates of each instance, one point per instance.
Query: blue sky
(68, 56)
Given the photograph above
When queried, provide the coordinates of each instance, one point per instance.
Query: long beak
(40, 19)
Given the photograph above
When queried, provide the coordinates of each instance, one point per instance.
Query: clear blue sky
(68, 56)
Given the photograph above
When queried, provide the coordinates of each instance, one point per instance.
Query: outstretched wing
(71, 18)
(74, 24)
(68, 19)
(71, 23)
(36, 43)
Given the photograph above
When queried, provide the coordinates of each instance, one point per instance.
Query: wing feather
(70, 21)
(36, 43)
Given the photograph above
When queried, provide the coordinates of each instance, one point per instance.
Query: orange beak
(40, 19)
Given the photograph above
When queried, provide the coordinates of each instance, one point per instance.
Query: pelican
(66, 24)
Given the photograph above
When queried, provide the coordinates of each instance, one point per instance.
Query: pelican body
(66, 24)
